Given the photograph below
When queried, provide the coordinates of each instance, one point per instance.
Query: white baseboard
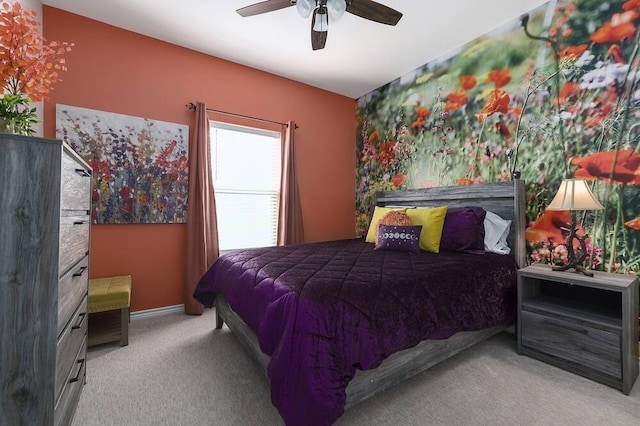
(165, 310)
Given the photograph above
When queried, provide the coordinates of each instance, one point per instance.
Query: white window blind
(246, 179)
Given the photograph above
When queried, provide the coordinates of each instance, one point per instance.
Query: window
(246, 179)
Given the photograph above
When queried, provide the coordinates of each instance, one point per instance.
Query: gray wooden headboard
(506, 199)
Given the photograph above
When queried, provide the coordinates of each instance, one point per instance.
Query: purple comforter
(324, 310)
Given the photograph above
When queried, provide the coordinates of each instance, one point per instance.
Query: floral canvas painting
(551, 95)
(140, 172)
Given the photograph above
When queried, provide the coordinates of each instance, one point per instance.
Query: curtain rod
(192, 107)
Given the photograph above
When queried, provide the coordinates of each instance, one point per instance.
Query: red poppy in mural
(468, 82)
(468, 181)
(386, 153)
(616, 53)
(568, 92)
(418, 124)
(374, 136)
(603, 165)
(633, 224)
(503, 130)
(500, 77)
(423, 112)
(619, 28)
(398, 179)
(604, 104)
(498, 102)
(456, 100)
(631, 5)
(549, 228)
(573, 52)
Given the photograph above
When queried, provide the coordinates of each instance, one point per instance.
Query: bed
(334, 323)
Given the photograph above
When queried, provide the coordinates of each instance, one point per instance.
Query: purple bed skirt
(324, 310)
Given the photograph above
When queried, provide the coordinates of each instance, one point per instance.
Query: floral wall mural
(552, 95)
(140, 172)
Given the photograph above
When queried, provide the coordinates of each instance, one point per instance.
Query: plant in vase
(29, 66)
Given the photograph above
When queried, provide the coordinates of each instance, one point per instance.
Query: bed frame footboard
(393, 370)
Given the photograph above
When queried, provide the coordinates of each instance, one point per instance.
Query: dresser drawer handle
(81, 318)
(83, 172)
(77, 377)
(577, 330)
(79, 222)
(81, 271)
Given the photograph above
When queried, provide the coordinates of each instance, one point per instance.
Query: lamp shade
(305, 7)
(574, 194)
(336, 8)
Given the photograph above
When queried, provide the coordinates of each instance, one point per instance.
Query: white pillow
(496, 231)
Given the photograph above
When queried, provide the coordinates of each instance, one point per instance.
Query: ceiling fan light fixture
(336, 8)
(305, 7)
(322, 20)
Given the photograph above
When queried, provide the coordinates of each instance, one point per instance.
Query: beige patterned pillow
(394, 218)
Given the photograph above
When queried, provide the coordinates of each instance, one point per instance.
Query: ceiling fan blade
(264, 7)
(318, 38)
(374, 11)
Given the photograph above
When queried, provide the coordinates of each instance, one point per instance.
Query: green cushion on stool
(106, 294)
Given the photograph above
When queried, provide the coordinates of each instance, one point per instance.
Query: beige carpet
(178, 370)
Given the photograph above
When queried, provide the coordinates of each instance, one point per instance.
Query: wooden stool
(109, 300)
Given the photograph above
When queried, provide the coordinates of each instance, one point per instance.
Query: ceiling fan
(367, 9)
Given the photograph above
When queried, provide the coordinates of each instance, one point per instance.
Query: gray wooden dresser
(587, 325)
(45, 199)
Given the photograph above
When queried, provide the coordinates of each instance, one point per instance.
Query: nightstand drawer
(575, 342)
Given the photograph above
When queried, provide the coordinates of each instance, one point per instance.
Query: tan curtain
(202, 228)
(290, 229)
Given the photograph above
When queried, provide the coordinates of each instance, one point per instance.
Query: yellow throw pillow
(378, 213)
(432, 221)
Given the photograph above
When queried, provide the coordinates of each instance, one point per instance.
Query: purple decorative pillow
(399, 238)
(464, 230)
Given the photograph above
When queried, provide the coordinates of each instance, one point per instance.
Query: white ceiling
(359, 56)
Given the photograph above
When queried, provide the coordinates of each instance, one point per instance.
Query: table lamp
(573, 195)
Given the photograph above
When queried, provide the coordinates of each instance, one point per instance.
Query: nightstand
(586, 325)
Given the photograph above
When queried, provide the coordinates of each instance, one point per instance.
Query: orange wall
(114, 70)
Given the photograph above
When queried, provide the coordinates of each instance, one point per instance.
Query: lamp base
(572, 265)
(573, 262)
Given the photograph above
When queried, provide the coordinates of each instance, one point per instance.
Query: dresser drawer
(73, 338)
(573, 341)
(76, 185)
(66, 404)
(74, 240)
(72, 288)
